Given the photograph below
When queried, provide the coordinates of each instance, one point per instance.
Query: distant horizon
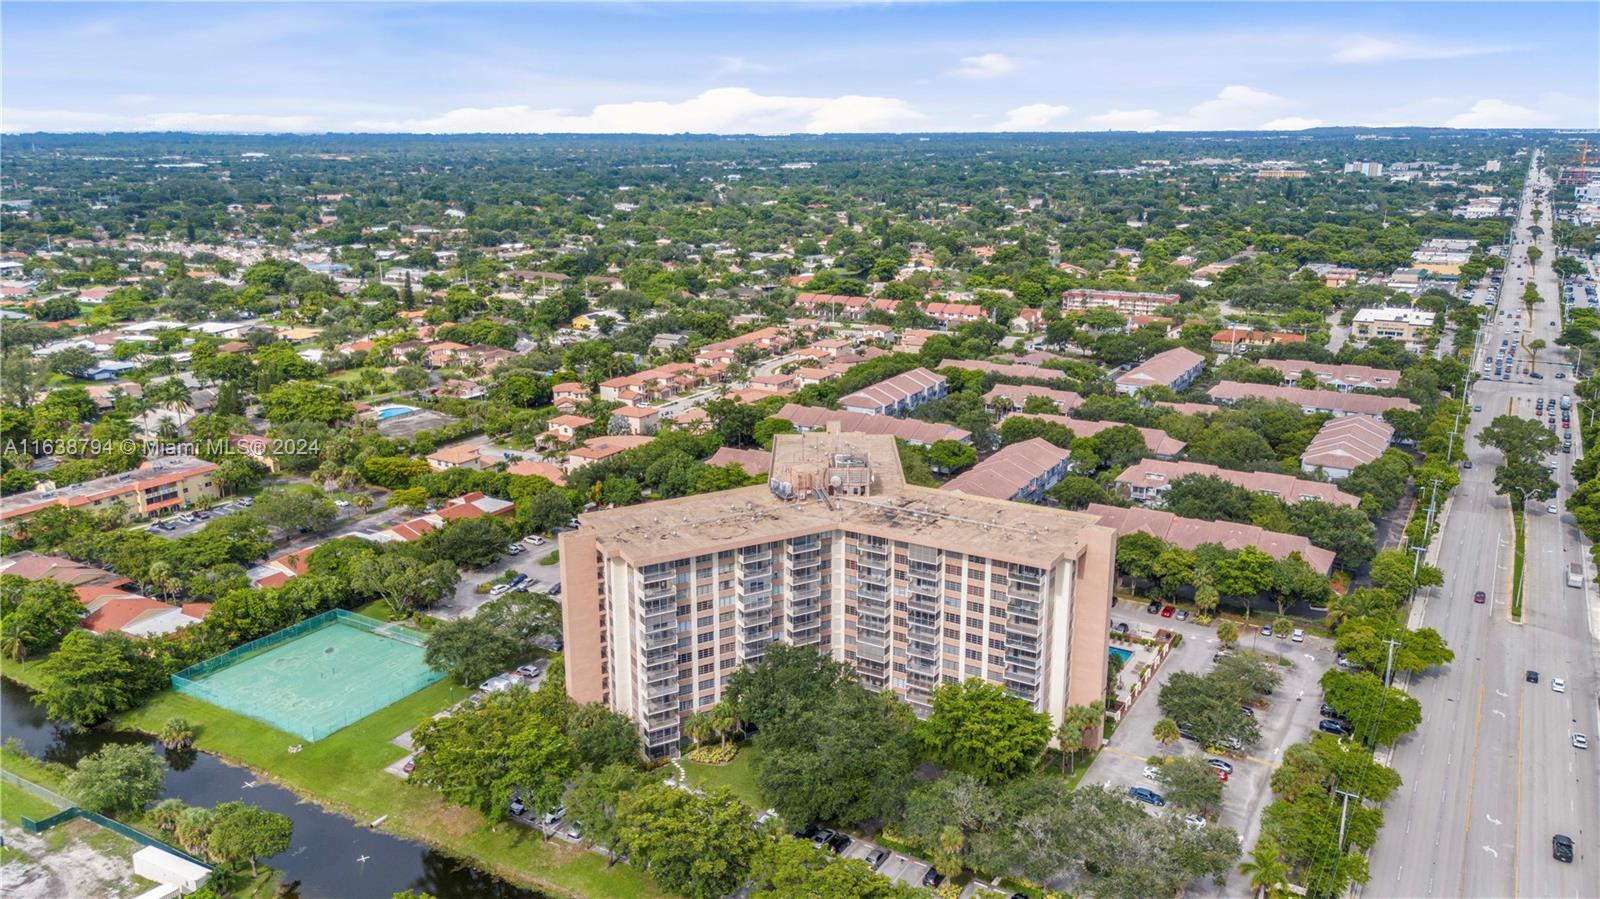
(1320, 129)
(792, 68)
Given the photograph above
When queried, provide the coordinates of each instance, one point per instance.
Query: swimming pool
(388, 412)
(1123, 654)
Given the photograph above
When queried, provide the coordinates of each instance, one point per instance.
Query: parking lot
(467, 599)
(1291, 713)
(902, 869)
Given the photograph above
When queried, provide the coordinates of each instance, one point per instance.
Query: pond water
(325, 860)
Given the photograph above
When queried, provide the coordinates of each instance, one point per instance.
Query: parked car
(533, 540)
(876, 858)
(514, 549)
(932, 879)
(342, 503)
(1121, 628)
(1329, 711)
(1194, 821)
(1167, 611)
(1154, 607)
(1299, 636)
(1183, 614)
(516, 806)
(555, 589)
(1144, 794)
(821, 837)
(1151, 772)
(499, 589)
(409, 766)
(554, 815)
(1266, 630)
(1221, 765)
(574, 831)
(839, 842)
(1330, 726)
(533, 669)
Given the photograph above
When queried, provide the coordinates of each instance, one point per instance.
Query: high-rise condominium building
(912, 586)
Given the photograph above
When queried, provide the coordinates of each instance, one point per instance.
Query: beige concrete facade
(912, 586)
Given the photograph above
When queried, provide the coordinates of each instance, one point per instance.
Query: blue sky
(843, 67)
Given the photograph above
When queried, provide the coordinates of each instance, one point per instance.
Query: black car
(1329, 711)
(839, 842)
(1330, 726)
(806, 833)
(1154, 607)
(1531, 676)
(1561, 848)
(932, 879)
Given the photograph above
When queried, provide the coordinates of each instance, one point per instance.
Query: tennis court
(316, 677)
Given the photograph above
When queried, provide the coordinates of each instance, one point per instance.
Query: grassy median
(1519, 557)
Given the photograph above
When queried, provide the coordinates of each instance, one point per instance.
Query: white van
(1575, 574)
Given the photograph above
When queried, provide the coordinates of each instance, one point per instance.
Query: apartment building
(1345, 444)
(1407, 325)
(1189, 533)
(912, 431)
(1022, 471)
(1126, 302)
(1337, 376)
(1149, 480)
(897, 395)
(1174, 369)
(912, 586)
(167, 483)
(1329, 402)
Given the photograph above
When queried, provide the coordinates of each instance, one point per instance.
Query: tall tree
(242, 832)
(978, 728)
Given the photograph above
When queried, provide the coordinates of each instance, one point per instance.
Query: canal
(331, 856)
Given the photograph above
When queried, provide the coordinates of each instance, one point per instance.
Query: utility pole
(1427, 527)
(1388, 666)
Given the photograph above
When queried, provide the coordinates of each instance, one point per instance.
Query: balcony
(1028, 678)
(655, 612)
(803, 636)
(873, 648)
(810, 575)
(1023, 630)
(923, 667)
(657, 694)
(659, 655)
(666, 736)
(751, 556)
(661, 673)
(660, 638)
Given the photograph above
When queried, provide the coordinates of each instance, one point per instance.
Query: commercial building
(912, 586)
(1126, 302)
(1149, 480)
(167, 483)
(1370, 169)
(1175, 370)
(897, 395)
(1403, 323)
(1344, 444)
(1330, 402)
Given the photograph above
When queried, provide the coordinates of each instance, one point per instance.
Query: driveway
(1291, 714)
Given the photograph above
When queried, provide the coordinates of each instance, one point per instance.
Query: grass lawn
(735, 775)
(344, 771)
(17, 803)
(25, 673)
(378, 609)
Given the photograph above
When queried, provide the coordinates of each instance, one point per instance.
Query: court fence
(191, 680)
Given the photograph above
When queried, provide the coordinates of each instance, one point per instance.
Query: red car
(1166, 611)
(1479, 598)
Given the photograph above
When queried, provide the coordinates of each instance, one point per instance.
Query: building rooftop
(166, 469)
(1189, 533)
(1157, 474)
(1347, 442)
(893, 390)
(1349, 403)
(1157, 441)
(968, 524)
(1403, 314)
(1162, 369)
(910, 429)
(1009, 471)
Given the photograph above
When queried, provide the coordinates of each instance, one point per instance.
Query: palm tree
(1166, 732)
(13, 646)
(1075, 724)
(363, 501)
(177, 733)
(1228, 633)
(722, 721)
(697, 727)
(162, 577)
(1269, 875)
(948, 858)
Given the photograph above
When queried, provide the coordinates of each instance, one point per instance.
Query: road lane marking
(1498, 712)
(1516, 824)
(1491, 851)
(1493, 820)
(1472, 779)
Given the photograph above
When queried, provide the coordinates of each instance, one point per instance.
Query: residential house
(753, 461)
(564, 429)
(1337, 376)
(529, 468)
(635, 419)
(460, 455)
(1235, 341)
(255, 446)
(596, 449)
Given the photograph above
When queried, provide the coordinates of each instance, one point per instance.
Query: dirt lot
(72, 859)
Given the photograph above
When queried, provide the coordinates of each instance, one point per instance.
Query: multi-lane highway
(1492, 773)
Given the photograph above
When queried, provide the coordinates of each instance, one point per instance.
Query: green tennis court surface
(316, 677)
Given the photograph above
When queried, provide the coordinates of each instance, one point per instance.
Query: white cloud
(1126, 119)
(1493, 113)
(1291, 123)
(986, 65)
(1033, 117)
(1235, 106)
(734, 110)
(1365, 49)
